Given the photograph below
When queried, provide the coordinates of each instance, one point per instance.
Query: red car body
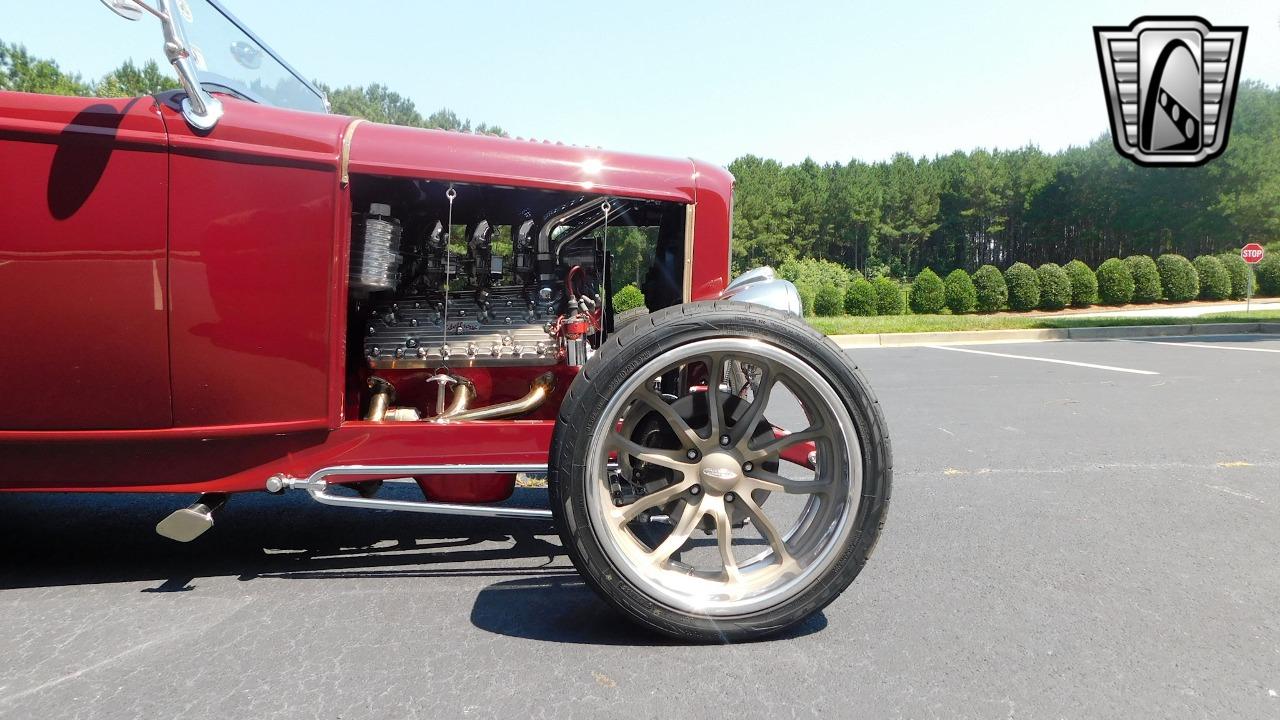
(175, 302)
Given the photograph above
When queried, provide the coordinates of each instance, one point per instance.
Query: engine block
(494, 326)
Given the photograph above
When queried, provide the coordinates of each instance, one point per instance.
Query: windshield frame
(220, 83)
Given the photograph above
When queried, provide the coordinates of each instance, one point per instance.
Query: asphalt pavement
(1078, 530)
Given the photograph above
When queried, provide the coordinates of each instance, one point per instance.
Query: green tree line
(896, 217)
(967, 209)
(21, 71)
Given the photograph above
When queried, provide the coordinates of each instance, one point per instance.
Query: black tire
(626, 317)
(625, 352)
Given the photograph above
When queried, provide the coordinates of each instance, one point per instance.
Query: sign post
(1252, 255)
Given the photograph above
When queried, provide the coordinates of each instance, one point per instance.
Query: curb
(977, 337)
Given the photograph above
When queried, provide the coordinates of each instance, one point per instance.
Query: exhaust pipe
(191, 522)
(464, 392)
(538, 393)
(380, 408)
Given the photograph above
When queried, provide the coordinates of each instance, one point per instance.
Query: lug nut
(730, 497)
(724, 439)
(692, 454)
(696, 489)
(747, 467)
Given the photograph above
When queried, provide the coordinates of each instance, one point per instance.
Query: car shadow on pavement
(561, 608)
(50, 540)
(53, 540)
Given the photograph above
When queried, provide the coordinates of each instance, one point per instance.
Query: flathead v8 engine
(430, 306)
(468, 276)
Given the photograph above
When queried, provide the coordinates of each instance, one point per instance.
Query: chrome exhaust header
(539, 390)
(459, 407)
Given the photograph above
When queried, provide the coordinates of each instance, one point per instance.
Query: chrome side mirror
(127, 9)
(200, 109)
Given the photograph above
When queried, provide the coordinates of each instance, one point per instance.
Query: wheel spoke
(679, 534)
(668, 413)
(670, 459)
(774, 482)
(777, 444)
(767, 529)
(724, 538)
(626, 514)
(744, 428)
(715, 403)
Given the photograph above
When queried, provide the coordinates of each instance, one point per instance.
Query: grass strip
(855, 325)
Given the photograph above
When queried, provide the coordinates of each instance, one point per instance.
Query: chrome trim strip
(318, 486)
(687, 290)
(344, 160)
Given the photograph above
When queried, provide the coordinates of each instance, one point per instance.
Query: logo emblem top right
(1170, 84)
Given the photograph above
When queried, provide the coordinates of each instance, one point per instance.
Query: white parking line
(1048, 360)
(1205, 345)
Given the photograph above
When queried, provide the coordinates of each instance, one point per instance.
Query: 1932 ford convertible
(226, 289)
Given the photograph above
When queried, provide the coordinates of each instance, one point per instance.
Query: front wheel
(719, 471)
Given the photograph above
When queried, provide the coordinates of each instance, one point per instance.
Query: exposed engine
(506, 279)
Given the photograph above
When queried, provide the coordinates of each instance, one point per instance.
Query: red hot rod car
(228, 289)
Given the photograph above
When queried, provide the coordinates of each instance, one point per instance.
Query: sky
(833, 81)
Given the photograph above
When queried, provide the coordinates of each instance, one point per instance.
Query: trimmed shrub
(1215, 281)
(962, 296)
(1267, 274)
(1178, 278)
(861, 297)
(1146, 279)
(1055, 286)
(829, 301)
(1024, 287)
(816, 273)
(808, 294)
(928, 294)
(1084, 284)
(993, 292)
(1238, 271)
(628, 298)
(889, 300)
(1115, 282)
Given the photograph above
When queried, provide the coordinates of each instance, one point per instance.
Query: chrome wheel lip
(599, 503)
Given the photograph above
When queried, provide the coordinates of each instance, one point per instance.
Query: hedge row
(828, 288)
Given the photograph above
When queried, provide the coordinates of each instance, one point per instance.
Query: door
(83, 265)
(255, 205)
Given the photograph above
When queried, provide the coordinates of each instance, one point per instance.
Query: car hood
(392, 150)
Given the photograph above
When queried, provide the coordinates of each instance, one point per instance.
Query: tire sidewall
(628, 351)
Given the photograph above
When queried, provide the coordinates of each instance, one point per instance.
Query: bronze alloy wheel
(719, 474)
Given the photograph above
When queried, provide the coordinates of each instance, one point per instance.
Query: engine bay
(450, 277)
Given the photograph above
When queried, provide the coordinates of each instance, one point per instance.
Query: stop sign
(1252, 253)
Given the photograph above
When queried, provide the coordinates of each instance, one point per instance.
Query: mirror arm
(159, 15)
(200, 109)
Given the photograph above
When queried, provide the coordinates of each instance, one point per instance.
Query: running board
(318, 486)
